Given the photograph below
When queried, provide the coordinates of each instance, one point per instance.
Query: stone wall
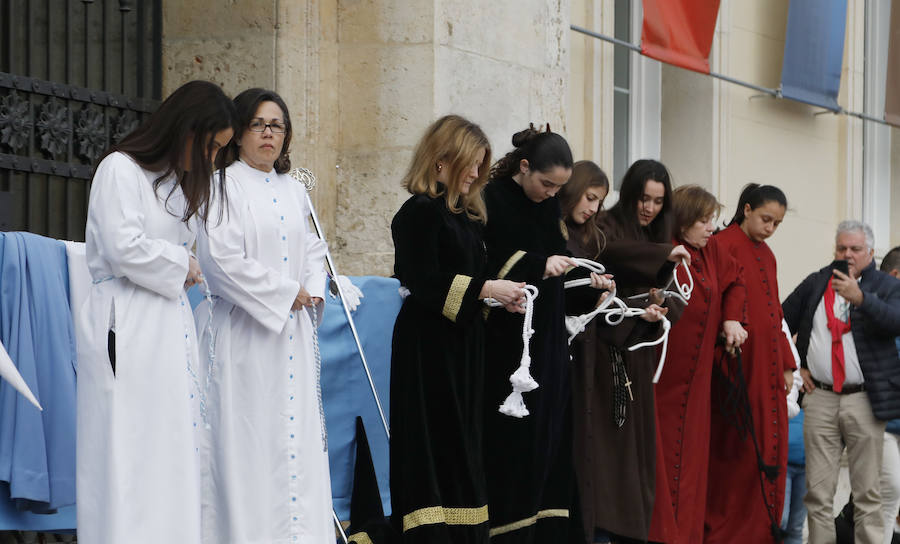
(363, 78)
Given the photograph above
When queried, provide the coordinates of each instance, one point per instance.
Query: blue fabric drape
(345, 389)
(814, 52)
(37, 449)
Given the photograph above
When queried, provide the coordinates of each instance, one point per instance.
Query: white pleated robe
(137, 470)
(265, 471)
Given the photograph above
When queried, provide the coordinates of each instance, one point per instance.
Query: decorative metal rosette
(91, 133)
(304, 176)
(124, 125)
(15, 121)
(53, 127)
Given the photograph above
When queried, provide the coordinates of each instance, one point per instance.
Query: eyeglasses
(258, 124)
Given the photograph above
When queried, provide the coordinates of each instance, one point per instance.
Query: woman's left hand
(602, 282)
(654, 313)
(734, 333)
(303, 299)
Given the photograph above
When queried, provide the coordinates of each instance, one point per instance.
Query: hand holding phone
(841, 265)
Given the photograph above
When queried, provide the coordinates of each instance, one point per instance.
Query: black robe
(528, 460)
(437, 475)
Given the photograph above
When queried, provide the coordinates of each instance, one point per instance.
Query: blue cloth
(814, 52)
(796, 453)
(345, 388)
(37, 449)
(794, 510)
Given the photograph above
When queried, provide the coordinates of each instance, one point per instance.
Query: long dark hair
(247, 103)
(196, 111)
(757, 195)
(542, 149)
(585, 174)
(625, 210)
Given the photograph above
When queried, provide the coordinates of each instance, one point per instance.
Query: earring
(440, 167)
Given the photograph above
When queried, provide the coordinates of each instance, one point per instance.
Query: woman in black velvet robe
(437, 478)
(528, 460)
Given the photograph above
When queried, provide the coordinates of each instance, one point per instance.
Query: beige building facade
(363, 78)
(722, 136)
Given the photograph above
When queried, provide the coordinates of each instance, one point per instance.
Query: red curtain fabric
(680, 32)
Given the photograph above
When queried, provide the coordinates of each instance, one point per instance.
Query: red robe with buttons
(683, 393)
(738, 508)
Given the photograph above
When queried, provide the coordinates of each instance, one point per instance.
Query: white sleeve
(116, 216)
(262, 292)
(792, 406)
(314, 277)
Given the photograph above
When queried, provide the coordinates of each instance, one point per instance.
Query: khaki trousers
(831, 422)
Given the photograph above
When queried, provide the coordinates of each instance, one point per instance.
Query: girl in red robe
(683, 392)
(747, 463)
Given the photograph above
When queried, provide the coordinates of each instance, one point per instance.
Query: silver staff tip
(304, 176)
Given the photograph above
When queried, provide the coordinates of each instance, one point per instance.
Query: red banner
(680, 32)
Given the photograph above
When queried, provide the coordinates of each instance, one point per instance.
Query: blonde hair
(455, 141)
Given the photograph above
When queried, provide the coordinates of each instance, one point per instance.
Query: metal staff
(307, 178)
(340, 528)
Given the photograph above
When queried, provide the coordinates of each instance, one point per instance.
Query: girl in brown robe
(612, 392)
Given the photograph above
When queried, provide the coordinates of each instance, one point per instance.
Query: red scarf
(838, 329)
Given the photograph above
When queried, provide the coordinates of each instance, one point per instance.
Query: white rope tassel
(521, 379)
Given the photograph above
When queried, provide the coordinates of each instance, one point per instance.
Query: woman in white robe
(137, 459)
(265, 476)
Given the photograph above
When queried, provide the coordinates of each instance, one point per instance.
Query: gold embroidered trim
(516, 525)
(454, 299)
(450, 516)
(359, 538)
(516, 257)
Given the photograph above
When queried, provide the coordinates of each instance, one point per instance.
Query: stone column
(364, 78)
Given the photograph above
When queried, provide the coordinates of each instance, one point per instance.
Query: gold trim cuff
(454, 299)
(359, 538)
(449, 516)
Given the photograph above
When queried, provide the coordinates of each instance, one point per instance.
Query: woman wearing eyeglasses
(266, 473)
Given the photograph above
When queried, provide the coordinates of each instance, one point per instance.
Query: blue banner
(814, 52)
(345, 388)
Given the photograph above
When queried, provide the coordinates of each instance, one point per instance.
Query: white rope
(614, 316)
(686, 289)
(521, 379)
(682, 290)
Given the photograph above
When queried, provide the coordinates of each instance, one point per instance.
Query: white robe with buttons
(265, 476)
(137, 472)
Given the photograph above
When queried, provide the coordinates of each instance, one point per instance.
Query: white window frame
(876, 186)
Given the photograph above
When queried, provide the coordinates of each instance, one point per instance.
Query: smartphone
(842, 265)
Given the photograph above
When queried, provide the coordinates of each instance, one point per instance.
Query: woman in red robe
(682, 394)
(748, 458)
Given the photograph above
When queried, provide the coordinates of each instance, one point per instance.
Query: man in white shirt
(845, 325)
